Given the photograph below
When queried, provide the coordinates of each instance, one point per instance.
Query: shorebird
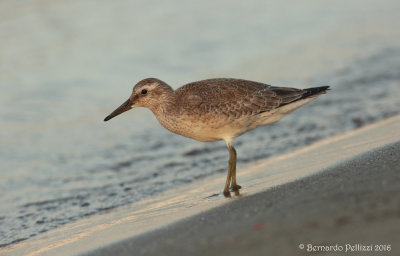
(217, 109)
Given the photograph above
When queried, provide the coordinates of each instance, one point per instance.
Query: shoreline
(151, 216)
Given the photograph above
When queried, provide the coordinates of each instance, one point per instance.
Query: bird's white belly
(200, 129)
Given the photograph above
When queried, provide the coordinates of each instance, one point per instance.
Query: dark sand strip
(355, 203)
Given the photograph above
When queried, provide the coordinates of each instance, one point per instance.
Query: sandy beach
(350, 209)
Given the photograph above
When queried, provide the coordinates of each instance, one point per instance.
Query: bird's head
(149, 93)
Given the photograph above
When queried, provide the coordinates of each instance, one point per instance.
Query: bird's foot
(227, 193)
(236, 187)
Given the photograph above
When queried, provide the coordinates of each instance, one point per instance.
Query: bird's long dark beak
(127, 105)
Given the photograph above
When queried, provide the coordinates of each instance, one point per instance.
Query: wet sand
(352, 206)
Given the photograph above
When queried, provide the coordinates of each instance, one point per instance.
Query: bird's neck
(165, 104)
(167, 111)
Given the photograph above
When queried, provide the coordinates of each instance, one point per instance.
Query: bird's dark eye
(144, 91)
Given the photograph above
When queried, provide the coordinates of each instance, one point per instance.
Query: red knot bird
(217, 109)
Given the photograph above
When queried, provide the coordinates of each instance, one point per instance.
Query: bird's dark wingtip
(316, 90)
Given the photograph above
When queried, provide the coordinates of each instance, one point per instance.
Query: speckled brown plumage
(217, 109)
(233, 98)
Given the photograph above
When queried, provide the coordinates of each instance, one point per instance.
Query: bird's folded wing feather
(234, 98)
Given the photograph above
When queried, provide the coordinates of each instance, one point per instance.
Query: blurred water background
(65, 65)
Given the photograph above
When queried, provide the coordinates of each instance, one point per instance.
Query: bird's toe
(227, 193)
(236, 187)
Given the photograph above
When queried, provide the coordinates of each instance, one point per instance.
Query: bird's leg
(228, 180)
(232, 167)
(231, 177)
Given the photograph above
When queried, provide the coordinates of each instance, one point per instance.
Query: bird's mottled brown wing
(234, 98)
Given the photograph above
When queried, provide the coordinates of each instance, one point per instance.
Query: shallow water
(67, 64)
